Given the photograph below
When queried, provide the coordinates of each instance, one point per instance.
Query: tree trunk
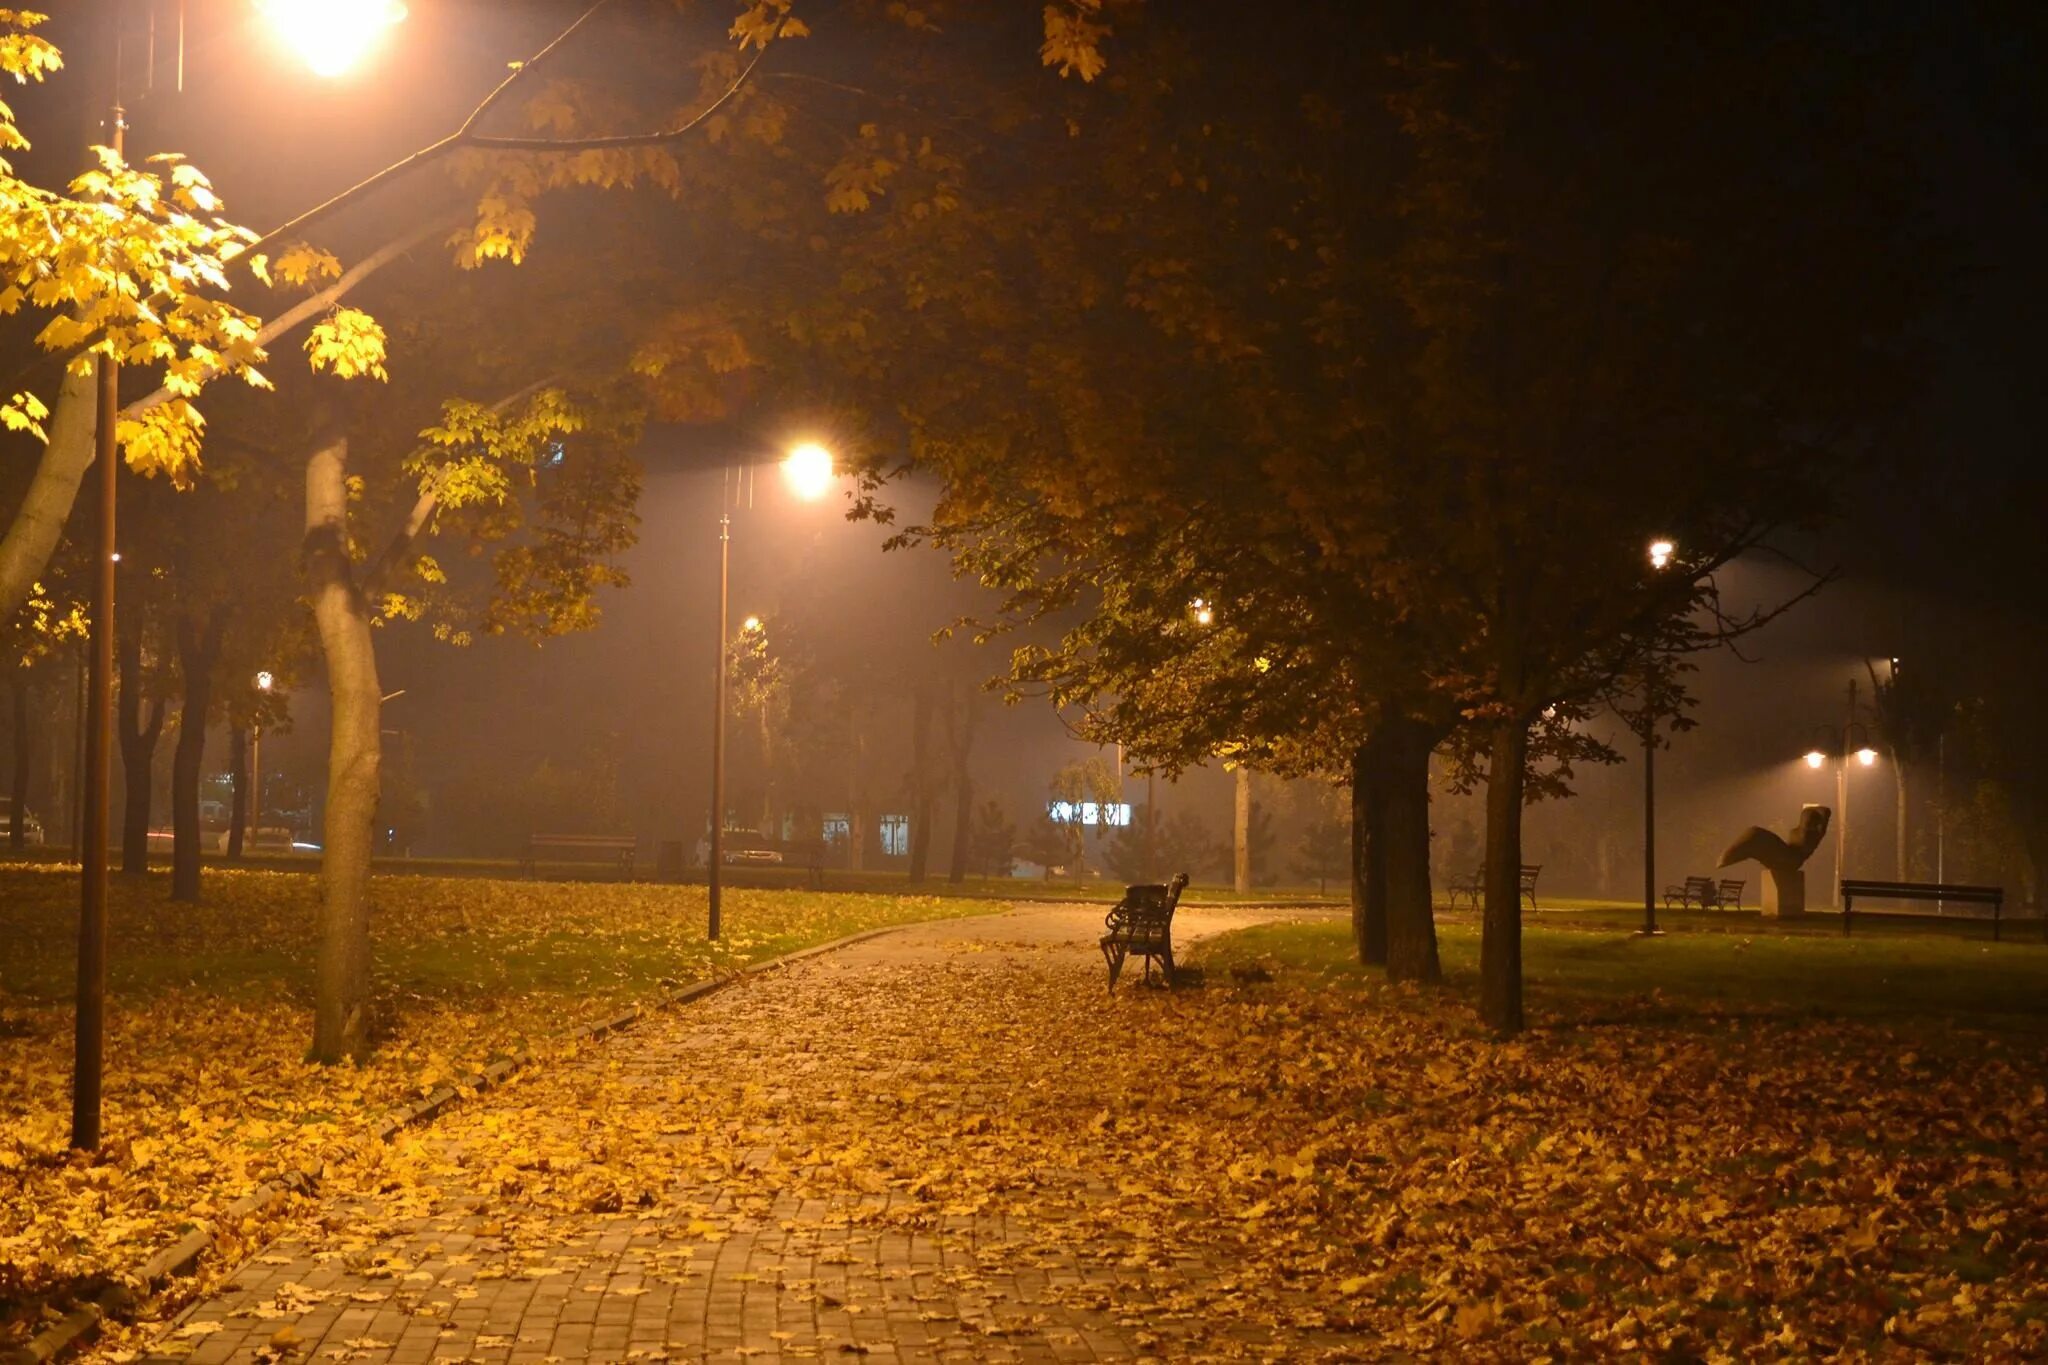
(341, 1004)
(920, 785)
(1402, 771)
(138, 752)
(17, 815)
(198, 651)
(38, 523)
(238, 809)
(1500, 943)
(1899, 833)
(1368, 878)
(1242, 846)
(961, 736)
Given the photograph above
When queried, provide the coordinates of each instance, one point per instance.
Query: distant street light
(1204, 614)
(751, 624)
(810, 473)
(1849, 739)
(264, 682)
(1660, 557)
(332, 36)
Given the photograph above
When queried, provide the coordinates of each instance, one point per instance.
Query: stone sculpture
(1782, 858)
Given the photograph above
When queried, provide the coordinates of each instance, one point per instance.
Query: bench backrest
(1701, 883)
(608, 843)
(1148, 904)
(1731, 886)
(1529, 871)
(1950, 891)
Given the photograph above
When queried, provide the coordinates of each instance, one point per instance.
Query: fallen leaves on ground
(1273, 1170)
(207, 1093)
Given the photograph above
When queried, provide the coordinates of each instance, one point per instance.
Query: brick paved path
(749, 1266)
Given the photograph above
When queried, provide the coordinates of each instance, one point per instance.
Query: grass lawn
(1926, 978)
(209, 1011)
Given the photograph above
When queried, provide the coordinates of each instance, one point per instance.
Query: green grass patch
(1927, 976)
(253, 936)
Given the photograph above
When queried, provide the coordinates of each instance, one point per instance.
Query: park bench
(1697, 891)
(1474, 886)
(1993, 896)
(1706, 894)
(1142, 923)
(619, 850)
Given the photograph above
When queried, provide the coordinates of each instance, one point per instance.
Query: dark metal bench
(1993, 896)
(1729, 897)
(1473, 888)
(1142, 924)
(1697, 891)
(622, 851)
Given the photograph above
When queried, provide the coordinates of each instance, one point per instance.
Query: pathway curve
(843, 1160)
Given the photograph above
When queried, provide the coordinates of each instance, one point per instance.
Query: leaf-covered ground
(209, 1014)
(955, 1138)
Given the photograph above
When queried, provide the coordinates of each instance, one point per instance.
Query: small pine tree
(993, 840)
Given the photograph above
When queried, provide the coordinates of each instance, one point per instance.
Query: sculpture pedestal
(1785, 893)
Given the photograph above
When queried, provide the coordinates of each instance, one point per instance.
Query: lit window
(896, 836)
(1062, 812)
(837, 829)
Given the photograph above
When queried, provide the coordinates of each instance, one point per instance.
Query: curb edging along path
(182, 1257)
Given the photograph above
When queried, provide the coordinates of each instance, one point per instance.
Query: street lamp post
(809, 471)
(1851, 741)
(1661, 552)
(264, 682)
(332, 35)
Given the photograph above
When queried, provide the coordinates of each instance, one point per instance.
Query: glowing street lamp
(332, 36)
(265, 680)
(808, 471)
(1866, 756)
(1815, 758)
(1660, 557)
(1205, 615)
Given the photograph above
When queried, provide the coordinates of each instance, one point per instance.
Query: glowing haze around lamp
(264, 680)
(1661, 552)
(808, 470)
(751, 624)
(1866, 756)
(1204, 613)
(331, 36)
(1815, 759)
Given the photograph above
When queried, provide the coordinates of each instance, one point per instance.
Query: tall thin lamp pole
(718, 718)
(1650, 823)
(89, 1051)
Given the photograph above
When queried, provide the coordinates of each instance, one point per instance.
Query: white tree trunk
(32, 535)
(341, 1025)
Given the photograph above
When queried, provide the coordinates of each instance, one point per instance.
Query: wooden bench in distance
(1142, 923)
(1473, 888)
(1993, 896)
(1729, 897)
(1697, 891)
(621, 851)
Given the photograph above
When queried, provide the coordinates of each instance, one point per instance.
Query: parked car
(31, 828)
(749, 850)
